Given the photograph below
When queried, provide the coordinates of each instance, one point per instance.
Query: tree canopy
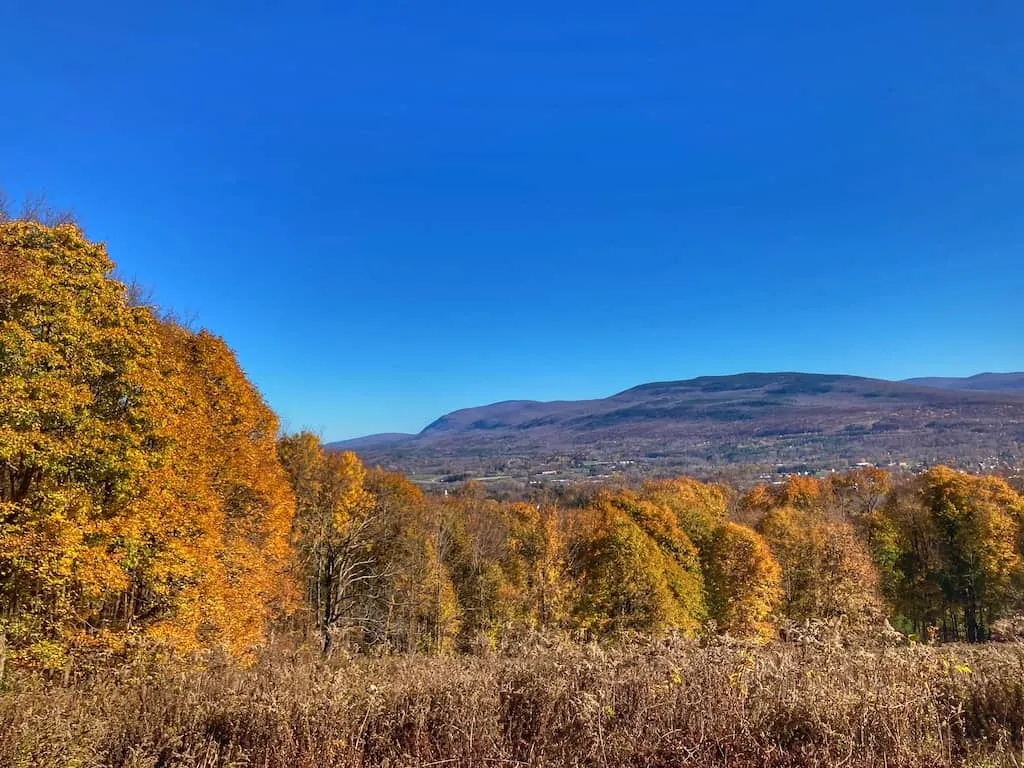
(139, 489)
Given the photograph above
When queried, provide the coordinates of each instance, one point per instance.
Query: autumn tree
(333, 530)
(908, 551)
(743, 581)
(544, 547)
(827, 571)
(79, 429)
(637, 570)
(226, 534)
(979, 519)
(418, 610)
(859, 492)
(139, 490)
(489, 546)
(978, 522)
(800, 491)
(948, 546)
(699, 508)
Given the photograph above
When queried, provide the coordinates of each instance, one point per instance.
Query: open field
(668, 703)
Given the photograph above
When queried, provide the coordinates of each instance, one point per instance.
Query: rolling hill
(769, 419)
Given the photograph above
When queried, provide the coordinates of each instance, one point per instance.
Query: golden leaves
(139, 481)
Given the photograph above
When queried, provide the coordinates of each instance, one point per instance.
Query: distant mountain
(790, 419)
(983, 382)
(371, 441)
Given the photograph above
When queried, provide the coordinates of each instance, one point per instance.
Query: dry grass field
(668, 703)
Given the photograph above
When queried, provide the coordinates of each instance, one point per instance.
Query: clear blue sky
(394, 209)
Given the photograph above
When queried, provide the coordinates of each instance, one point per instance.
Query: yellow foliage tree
(416, 606)
(700, 508)
(637, 569)
(743, 581)
(139, 492)
(979, 524)
(333, 529)
(827, 572)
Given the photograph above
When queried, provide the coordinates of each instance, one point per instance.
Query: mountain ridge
(750, 417)
(983, 382)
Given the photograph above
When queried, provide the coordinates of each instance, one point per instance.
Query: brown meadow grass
(665, 703)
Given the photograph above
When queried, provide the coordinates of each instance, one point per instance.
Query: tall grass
(670, 703)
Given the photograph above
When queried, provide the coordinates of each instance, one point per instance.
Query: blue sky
(394, 209)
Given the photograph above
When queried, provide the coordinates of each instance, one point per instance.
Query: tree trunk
(971, 623)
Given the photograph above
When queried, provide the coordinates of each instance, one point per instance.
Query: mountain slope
(371, 441)
(984, 382)
(753, 418)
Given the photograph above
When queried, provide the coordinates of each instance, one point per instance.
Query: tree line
(146, 496)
